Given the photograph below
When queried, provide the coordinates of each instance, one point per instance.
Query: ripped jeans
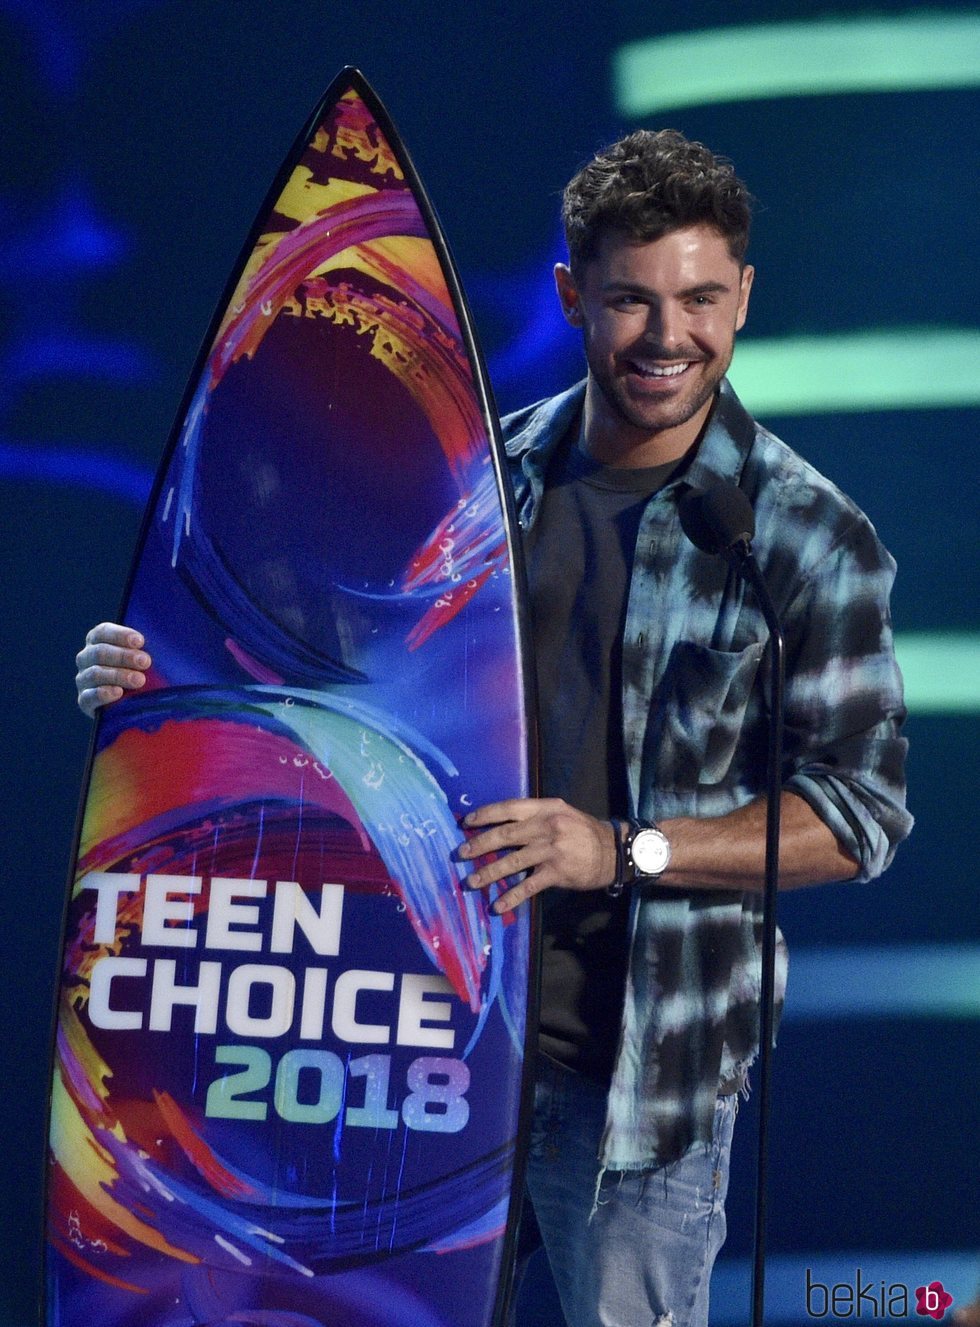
(643, 1256)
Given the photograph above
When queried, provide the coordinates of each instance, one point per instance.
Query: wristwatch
(647, 852)
(642, 854)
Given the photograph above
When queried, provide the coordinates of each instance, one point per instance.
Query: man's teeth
(660, 371)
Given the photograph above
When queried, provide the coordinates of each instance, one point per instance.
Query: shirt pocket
(698, 715)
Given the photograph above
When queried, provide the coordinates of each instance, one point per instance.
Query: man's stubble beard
(674, 412)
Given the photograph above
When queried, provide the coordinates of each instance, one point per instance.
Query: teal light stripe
(915, 981)
(886, 369)
(829, 55)
(941, 671)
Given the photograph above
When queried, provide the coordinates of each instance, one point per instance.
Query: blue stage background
(138, 138)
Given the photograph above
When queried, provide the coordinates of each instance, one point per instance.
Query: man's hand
(111, 662)
(557, 845)
(546, 838)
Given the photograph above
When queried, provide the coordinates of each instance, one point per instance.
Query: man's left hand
(544, 837)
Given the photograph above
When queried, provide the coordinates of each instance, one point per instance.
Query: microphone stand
(741, 556)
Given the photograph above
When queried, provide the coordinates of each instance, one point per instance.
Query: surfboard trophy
(291, 1045)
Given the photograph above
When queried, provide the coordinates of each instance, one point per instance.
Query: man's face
(659, 320)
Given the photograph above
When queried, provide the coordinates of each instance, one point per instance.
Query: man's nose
(665, 326)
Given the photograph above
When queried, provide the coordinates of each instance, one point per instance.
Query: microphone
(718, 520)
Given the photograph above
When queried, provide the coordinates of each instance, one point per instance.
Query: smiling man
(648, 846)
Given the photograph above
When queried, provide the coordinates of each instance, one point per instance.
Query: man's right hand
(111, 662)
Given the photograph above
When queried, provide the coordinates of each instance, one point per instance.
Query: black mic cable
(721, 520)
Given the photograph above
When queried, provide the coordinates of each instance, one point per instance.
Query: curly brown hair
(648, 184)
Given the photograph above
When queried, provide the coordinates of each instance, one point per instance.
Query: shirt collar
(724, 447)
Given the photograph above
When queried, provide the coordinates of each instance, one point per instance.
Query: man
(653, 732)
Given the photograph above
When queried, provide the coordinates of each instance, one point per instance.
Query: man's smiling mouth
(646, 369)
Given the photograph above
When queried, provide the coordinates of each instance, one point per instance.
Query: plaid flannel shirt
(695, 720)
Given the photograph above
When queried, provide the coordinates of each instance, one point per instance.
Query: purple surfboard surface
(290, 1052)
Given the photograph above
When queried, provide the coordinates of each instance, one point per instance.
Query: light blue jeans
(637, 1252)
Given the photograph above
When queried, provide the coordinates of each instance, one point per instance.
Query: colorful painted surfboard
(291, 1044)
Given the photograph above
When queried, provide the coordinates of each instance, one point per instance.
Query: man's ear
(568, 294)
(745, 287)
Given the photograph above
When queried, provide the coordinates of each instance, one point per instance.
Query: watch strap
(619, 884)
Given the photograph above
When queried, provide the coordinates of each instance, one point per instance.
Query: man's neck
(613, 441)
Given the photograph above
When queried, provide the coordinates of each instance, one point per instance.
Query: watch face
(650, 852)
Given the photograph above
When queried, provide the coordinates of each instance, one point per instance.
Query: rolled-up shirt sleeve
(844, 752)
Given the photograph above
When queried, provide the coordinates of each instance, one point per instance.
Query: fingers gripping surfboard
(290, 1048)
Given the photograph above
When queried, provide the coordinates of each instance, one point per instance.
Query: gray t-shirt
(579, 561)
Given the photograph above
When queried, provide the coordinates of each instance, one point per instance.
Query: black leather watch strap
(619, 884)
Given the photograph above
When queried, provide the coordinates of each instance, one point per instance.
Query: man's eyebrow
(706, 288)
(636, 288)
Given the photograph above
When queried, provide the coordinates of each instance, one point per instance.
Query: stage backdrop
(138, 137)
